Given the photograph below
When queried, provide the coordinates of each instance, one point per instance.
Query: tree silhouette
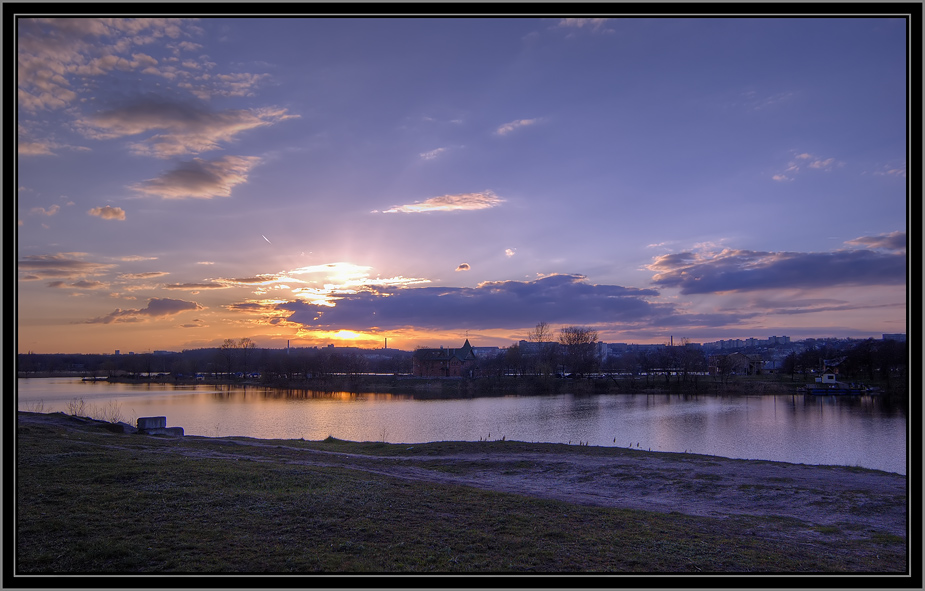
(579, 344)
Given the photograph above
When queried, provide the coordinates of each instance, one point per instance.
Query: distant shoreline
(473, 387)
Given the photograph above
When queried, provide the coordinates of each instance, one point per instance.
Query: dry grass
(91, 501)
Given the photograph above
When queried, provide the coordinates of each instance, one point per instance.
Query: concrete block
(146, 423)
(171, 431)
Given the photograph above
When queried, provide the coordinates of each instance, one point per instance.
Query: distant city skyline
(322, 180)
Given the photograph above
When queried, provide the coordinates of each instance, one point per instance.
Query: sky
(345, 181)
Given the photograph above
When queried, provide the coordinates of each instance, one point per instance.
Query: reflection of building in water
(443, 363)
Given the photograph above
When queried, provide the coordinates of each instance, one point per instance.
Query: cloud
(799, 163)
(253, 307)
(207, 86)
(108, 213)
(145, 275)
(135, 257)
(36, 148)
(196, 286)
(509, 252)
(54, 56)
(499, 304)
(893, 241)
(261, 280)
(177, 128)
(202, 179)
(897, 171)
(465, 201)
(432, 154)
(50, 211)
(790, 306)
(593, 24)
(463, 267)
(509, 127)
(82, 284)
(61, 265)
(27, 146)
(755, 101)
(745, 270)
(156, 308)
(823, 164)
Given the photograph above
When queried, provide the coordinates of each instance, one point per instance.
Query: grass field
(90, 501)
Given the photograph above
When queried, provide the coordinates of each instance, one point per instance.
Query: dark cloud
(156, 308)
(176, 128)
(500, 304)
(67, 265)
(463, 267)
(200, 178)
(746, 270)
(251, 307)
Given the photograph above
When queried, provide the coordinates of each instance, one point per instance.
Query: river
(853, 431)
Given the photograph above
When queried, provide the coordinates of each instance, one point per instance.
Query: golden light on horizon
(347, 334)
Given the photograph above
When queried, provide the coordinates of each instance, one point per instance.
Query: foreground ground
(94, 501)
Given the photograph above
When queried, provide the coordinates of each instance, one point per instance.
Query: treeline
(234, 361)
(882, 361)
(573, 354)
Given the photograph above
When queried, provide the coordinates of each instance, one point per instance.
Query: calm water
(852, 431)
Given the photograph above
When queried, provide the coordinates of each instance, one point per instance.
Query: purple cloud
(498, 304)
(892, 241)
(746, 270)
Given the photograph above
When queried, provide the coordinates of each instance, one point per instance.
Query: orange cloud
(108, 213)
(464, 201)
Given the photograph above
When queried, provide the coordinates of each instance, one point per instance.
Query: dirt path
(855, 501)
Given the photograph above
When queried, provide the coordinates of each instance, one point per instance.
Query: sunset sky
(344, 181)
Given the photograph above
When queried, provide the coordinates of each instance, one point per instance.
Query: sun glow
(347, 335)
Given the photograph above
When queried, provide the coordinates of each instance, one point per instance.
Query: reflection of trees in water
(888, 406)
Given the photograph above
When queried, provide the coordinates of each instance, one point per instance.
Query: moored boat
(828, 385)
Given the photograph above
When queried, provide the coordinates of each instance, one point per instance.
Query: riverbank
(117, 502)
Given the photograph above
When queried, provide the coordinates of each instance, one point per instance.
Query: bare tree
(228, 347)
(541, 333)
(246, 345)
(545, 351)
(579, 343)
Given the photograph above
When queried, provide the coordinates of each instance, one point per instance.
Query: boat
(95, 379)
(827, 385)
